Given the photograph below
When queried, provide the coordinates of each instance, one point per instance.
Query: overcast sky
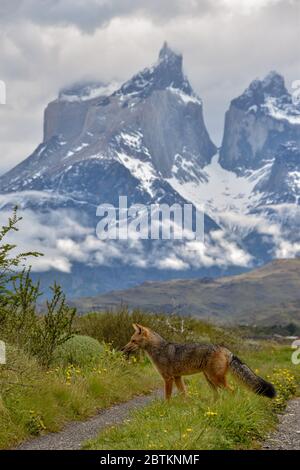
(47, 44)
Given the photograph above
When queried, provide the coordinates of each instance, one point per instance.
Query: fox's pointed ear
(137, 328)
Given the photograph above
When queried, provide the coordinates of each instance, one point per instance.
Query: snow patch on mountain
(141, 170)
(185, 98)
(221, 190)
(294, 182)
(281, 111)
(235, 202)
(132, 140)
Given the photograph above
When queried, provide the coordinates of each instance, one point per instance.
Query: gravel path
(287, 436)
(76, 433)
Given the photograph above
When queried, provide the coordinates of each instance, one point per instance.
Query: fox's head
(141, 337)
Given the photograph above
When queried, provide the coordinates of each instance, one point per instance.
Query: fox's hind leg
(226, 385)
(180, 385)
(212, 386)
(168, 387)
(216, 370)
(218, 382)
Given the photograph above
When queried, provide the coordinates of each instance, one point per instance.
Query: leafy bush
(36, 334)
(78, 350)
(20, 323)
(9, 266)
(54, 328)
(20, 317)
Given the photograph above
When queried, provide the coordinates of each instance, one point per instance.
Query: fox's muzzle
(129, 348)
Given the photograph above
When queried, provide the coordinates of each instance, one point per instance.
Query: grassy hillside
(268, 295)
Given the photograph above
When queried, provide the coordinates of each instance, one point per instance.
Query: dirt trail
(76, 433)
(287, 436)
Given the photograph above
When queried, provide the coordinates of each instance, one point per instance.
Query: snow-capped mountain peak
(167, 54)
(153, 120)
(269, 97)
(273, 84)
(259, 90)
(257, 123)
(166, 72)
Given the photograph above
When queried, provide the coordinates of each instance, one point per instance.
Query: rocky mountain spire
(257, 122)
(167, 55)
(166, 72)
(272, 85)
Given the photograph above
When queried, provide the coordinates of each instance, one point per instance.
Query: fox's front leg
(168, 388)
(180, 385)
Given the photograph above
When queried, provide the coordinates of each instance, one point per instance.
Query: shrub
(115, 328)
(78, 350)
(52, 329)
(9, 265)
(20, 319)
(20, 323)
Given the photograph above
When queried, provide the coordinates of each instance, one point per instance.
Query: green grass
(35, 401)
(235, 421)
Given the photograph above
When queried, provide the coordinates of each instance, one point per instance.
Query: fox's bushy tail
(253, 381)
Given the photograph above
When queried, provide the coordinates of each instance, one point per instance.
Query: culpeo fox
(174, 360)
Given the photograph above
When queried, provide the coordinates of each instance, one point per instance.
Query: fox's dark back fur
(176, 358)
(253, 381)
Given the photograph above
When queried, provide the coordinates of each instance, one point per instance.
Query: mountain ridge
(262, 296)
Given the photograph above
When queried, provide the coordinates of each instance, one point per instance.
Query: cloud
(88, 15)
(240, 225)
(51, 234)
(273, 222)
(287, 249)
(46, 44)
(64, 241)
